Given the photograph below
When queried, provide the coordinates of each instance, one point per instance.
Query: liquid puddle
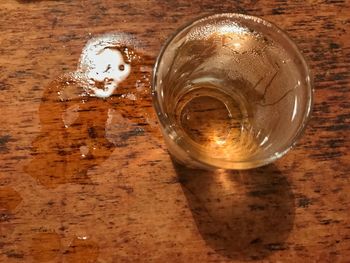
(85, 114)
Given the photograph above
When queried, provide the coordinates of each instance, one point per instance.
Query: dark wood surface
(128, 202)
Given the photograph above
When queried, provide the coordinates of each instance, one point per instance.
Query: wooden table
(125, 201)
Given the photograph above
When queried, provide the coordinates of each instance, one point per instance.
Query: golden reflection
(223, 178)
(219, 141)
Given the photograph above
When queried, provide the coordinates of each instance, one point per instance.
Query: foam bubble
(102, 66)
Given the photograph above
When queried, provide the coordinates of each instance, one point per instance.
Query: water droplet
(139, 85)
(70, 115)
(84, 150)
(131, 96)
(145, 68)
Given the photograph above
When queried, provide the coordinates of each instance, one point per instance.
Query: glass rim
(225, 163)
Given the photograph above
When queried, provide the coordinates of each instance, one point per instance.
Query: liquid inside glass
(231, 92)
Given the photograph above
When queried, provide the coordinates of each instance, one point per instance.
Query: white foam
(101, 62)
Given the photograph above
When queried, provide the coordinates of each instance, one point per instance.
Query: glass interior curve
(231, 91)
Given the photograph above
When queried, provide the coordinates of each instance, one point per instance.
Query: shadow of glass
(245, 215)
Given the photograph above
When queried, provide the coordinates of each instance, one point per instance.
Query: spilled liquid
(86, 114)
(72, 138)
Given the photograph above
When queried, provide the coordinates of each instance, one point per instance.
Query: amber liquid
(80, 130)
(215, 121)
(226, 100)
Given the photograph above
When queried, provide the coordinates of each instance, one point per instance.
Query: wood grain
(128, 202)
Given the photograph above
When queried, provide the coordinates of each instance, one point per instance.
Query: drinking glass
(231, 91)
